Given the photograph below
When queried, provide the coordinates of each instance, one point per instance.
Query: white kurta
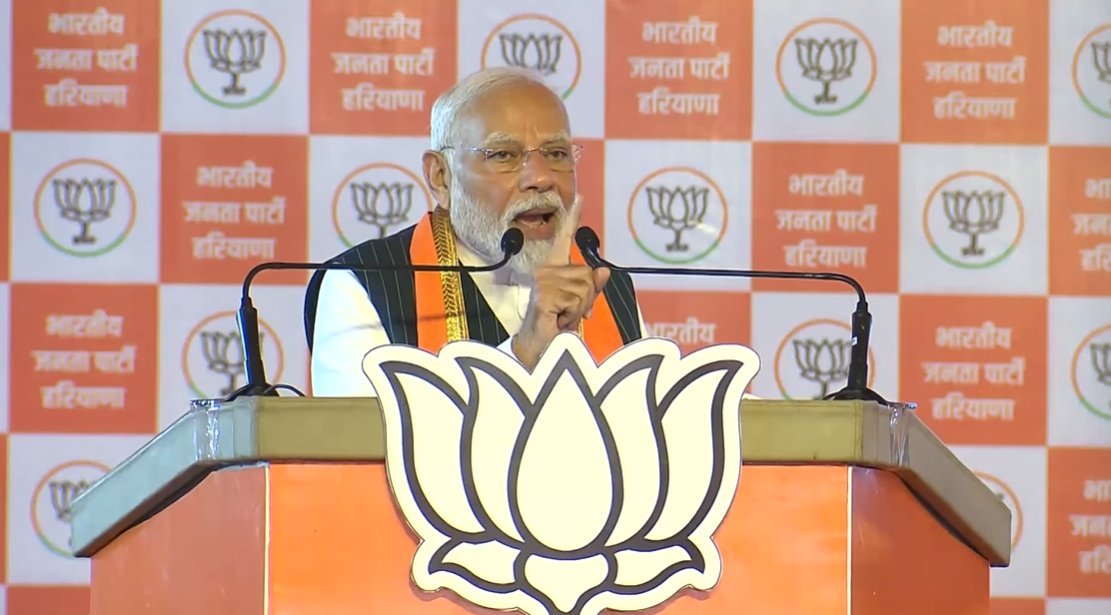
(348, 325)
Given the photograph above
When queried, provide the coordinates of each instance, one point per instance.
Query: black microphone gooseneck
(857, 386)
(512, 241)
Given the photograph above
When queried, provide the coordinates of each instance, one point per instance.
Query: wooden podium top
(254, 430)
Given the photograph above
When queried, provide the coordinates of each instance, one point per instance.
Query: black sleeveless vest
(393, 294)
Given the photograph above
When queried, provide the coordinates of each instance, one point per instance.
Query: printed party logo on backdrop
(85, 207)
(1091, 372)
(678, 215)
(973, 219)
(812, 360)
(53, 497)
(1091, 70)
(536, 42)
(377, 200)
(212, 359)
(1007, 495)
(235, 58)
(826, 66)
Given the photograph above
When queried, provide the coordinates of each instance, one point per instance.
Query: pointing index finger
(561, 247)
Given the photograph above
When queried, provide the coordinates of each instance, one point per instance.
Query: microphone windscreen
(588, 243)
(512, 241)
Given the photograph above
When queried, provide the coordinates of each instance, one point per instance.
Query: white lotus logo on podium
(573, 489)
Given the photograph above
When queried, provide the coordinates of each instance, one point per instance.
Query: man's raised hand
(562, 294)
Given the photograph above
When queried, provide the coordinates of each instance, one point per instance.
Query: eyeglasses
(510, 158)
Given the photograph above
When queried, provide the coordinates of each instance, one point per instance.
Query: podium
(281, 506)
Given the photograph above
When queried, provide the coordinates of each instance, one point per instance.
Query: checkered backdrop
(954, 155)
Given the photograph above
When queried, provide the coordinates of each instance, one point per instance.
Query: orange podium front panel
(284, 506)
(287, 539)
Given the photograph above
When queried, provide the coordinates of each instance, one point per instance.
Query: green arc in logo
(36, 525)
(61, 247)
(983, 265)
(678, 261)
(799, 104)
(982, 174)
(830, 113)
(1076, 70)
(189, 44)
(1074, 366)
(1103, 414)
(241, 105)
(709, 183)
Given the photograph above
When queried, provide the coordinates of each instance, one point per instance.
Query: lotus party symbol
(973, 219)
(823, 361)
(678, 215)
(826, 67)
(381, 205)
(825, 61)
(539, 52)
(1091, 372)
(223, 351)
(1101, 59)
(85, 207)
(973, 213)
(234, 52)
(62, 495)
(52, 501)
(379, 197)
(813, 358)
(1091, 70)
(1101, 362)
(235, 58)
(539, 43)
(571, 489)
(212, 359)
(677, 209)
(85, 201)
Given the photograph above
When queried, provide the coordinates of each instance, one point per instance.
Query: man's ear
(438, 177)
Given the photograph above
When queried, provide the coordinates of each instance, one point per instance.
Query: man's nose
(535, 173)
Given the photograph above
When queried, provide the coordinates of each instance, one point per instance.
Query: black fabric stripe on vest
(482, 324)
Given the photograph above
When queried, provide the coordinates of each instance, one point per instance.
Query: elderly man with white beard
(501, 155)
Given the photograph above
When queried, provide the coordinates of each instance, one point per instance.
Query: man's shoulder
(395, 245)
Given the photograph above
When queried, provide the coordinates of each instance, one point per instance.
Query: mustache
(535, 201)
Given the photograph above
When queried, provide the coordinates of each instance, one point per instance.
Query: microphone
(857, 386)
(512, 241)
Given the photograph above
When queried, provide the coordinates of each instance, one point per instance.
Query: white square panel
(973, 219)
(242, 69)
(363, 188)
(85, 206)
(564, 40)
(855, 43)
(45, 473)
(1079, 371)
(1079, 88)
(803, 340)
(679, 204)
(202, 350)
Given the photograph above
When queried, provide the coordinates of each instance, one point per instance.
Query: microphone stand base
(866, 394)
(261, 389)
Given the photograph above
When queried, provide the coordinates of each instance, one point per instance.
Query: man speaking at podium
(501, 155)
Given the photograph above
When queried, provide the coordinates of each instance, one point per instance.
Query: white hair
(445, 111)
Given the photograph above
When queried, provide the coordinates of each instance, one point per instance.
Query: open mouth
(535, 218)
